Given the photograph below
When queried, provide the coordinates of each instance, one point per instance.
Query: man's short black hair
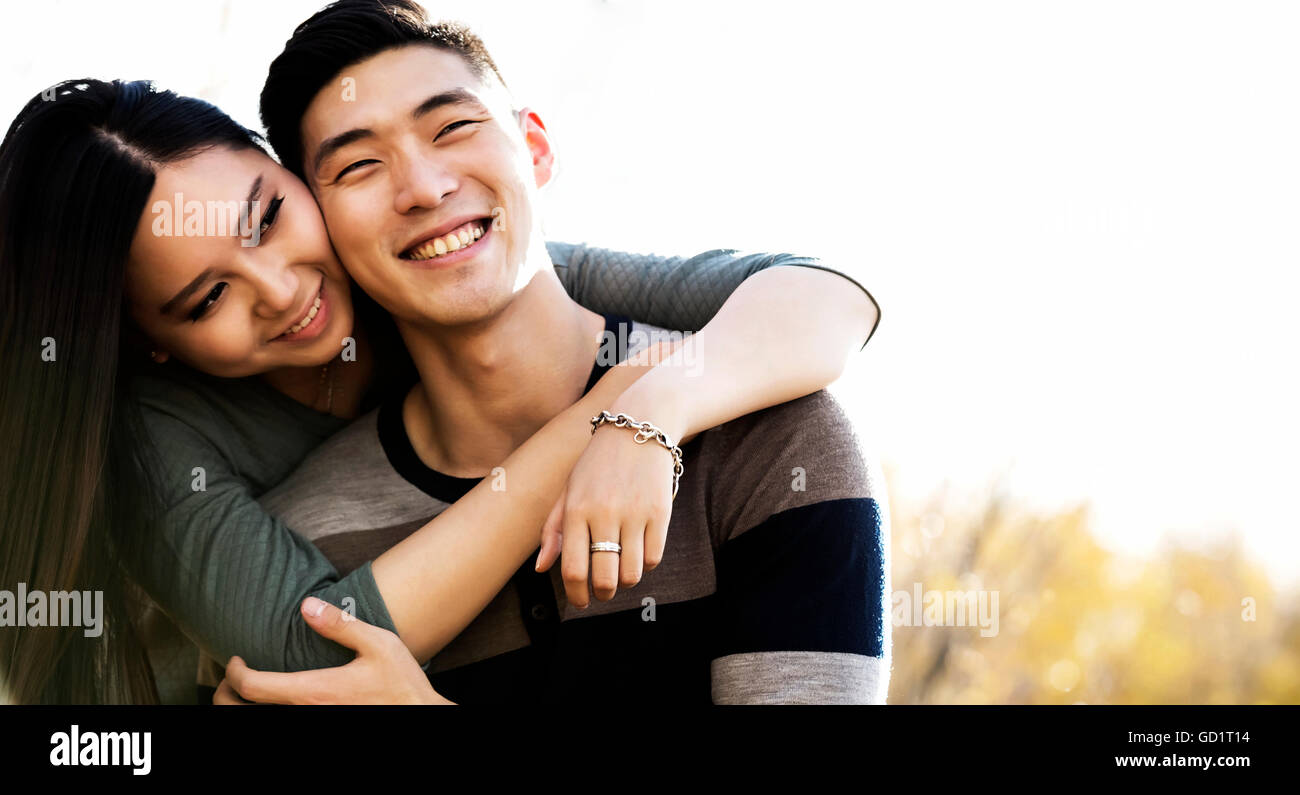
(340, 35)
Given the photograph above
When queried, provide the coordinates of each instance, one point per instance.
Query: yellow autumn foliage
(1079, 623)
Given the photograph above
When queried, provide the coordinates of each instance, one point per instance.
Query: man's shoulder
(803, 423)
(347, 484)
(784, 457)
(790, 456)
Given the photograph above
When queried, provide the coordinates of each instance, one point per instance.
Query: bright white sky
(1079, 218)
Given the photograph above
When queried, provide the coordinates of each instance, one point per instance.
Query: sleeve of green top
(230, 575)
(681, 293)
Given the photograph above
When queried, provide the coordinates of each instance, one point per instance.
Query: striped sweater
(772, 587)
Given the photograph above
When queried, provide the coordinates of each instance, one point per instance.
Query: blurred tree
(1077, 623)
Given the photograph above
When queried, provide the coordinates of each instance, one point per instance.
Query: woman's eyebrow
(254, 193)
(187, 291)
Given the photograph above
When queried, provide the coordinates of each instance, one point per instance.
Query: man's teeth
(311, 313)
(454, 240)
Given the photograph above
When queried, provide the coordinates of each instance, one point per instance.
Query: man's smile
(455, 237)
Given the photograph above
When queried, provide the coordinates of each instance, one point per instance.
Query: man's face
(426, 181)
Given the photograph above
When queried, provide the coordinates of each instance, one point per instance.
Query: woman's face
(231, 269)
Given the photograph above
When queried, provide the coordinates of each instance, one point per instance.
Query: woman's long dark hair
(77, 167)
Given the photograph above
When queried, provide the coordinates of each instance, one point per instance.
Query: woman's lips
(314, 326)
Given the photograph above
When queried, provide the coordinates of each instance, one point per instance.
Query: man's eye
(351, 166)
(454, 126)
(268, 218)
(207, 302)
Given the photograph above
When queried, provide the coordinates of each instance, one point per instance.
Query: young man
(772, 588)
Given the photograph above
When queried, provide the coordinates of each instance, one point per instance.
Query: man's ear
(539, 145)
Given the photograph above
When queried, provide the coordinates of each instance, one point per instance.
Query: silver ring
(606, 546)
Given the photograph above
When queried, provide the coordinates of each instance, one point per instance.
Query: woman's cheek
(225, 352)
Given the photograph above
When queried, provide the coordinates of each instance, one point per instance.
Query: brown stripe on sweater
(348, 550)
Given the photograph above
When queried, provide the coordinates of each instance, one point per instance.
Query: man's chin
(461, 307)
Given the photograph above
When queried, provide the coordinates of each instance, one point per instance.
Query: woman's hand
(384, 672)
(619, 491)
(786, 332)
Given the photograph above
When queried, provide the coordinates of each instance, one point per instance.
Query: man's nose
(421, 182)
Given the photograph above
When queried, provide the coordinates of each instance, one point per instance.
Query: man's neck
(485, 388)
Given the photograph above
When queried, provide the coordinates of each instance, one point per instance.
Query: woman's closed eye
(208, 301)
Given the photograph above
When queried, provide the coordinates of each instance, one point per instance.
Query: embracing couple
(329, 454)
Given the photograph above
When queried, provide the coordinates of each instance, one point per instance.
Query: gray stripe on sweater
(799, 677)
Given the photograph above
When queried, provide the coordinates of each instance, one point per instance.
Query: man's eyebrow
(331, 145)
(455, 96)
(186, 291)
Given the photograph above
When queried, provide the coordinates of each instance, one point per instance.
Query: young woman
(128, 461)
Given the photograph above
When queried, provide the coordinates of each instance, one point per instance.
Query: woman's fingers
(270, 687)
(577, 552)
(342, 628)
(629, 562)
(316, 686)
(619, 492)
(226, 695)
(656, 536)
(383, 672)
(604, 565)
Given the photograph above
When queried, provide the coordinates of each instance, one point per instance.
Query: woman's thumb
(552, 535)
(330, 622)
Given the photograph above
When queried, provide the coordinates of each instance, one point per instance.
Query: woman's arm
(679, 293)
(781, 336)
(233, 576)
(436, 580)
(785, 333)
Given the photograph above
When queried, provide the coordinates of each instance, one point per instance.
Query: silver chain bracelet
(645, 431)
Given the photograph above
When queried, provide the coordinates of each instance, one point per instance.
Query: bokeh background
(1079, 219)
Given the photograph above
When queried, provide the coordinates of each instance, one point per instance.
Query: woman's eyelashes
(268, 218)
(208, 300)
(268, 221)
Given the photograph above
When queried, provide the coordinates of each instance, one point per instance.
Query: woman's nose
(277, 288)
